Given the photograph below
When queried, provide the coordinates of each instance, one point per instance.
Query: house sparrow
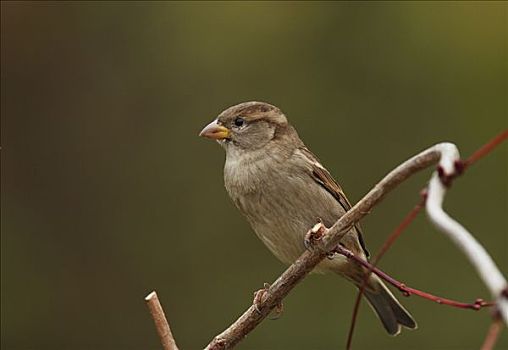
(282, 189)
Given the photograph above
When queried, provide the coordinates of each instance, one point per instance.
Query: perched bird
(282, 189)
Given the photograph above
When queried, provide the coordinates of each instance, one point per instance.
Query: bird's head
(247, 126)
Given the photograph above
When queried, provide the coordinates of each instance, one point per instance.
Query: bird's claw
(315, 234)
(259, 297)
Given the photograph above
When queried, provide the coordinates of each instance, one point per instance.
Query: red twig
(387, 244)
(485, 149)
(492, 334)
(353, 317)
(398, 231)
(408, 291)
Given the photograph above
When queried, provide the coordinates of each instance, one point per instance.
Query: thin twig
(492, 334)
(487, 148)
(161, 323)
(408, 291)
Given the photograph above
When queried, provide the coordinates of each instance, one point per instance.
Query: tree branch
(310, 258)
(161, 323)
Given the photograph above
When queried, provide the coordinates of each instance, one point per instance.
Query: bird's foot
(260, 296)
(315, 234)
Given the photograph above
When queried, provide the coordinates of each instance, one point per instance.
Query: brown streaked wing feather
(323, 178)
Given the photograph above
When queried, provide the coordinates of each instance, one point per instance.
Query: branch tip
(151, 296)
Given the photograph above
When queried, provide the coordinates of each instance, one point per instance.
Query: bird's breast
(280, 202)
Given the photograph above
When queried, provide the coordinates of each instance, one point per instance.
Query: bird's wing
(325, 180)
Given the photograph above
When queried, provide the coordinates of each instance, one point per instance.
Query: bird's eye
(239, 121)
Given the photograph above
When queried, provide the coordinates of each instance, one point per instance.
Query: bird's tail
(387, 308)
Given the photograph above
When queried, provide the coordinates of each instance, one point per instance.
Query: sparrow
(282, 189)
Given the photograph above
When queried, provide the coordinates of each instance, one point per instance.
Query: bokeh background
(108, 193)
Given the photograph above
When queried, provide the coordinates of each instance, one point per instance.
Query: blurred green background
(108, 193)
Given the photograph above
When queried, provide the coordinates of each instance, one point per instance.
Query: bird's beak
(215, 131)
